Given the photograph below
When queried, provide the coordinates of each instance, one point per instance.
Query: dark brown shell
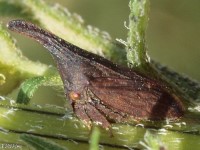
(105, 90)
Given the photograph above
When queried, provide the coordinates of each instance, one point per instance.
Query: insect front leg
(96, 116)
(79, 110)
(110, 114)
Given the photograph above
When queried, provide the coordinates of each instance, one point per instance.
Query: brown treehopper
(101, 91)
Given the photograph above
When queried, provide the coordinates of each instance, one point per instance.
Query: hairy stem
(136, 46)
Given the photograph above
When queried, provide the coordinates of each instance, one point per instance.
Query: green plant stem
(136, 46)
(40, 143)
(94, 139)
(51, 123)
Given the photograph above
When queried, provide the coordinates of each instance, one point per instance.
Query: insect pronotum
(101, 91)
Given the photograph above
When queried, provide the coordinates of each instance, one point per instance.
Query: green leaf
(28, 87)
(40, 143)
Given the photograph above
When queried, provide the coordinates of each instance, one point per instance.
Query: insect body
(101, 91)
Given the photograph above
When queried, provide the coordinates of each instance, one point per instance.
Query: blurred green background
(173, 34)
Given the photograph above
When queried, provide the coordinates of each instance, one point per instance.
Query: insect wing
(137, 99)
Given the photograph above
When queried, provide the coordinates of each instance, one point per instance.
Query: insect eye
(74, 95)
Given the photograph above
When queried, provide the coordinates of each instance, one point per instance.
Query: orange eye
(74, 96)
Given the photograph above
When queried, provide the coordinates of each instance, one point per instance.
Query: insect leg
(110, 114)
(96, 116)
(79, 110)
